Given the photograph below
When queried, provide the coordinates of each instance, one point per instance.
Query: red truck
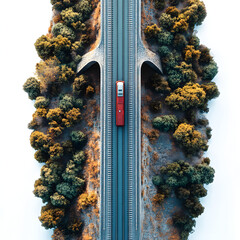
(120, 95)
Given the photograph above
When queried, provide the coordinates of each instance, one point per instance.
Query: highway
(120, 55)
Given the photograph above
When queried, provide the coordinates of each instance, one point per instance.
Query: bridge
(120, 55)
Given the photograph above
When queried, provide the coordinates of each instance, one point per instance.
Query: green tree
(42, 190)
(209, 71)
(51, 173)
(41, 102)
(78, 138)
(32, 87)
(59, 200)
(84, 7)
(79, 157)
(166, 21)
(61, 29)
(165, 123)
(71, 18)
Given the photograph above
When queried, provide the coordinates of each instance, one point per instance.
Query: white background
(21, 23)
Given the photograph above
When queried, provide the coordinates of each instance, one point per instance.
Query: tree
(68, 190)
(151, 32)
(180, 26)
(179, 42)
(41, 156)
(62, 4)
(79, 157)
(38, 140)
(84, 7)
(58, 234)
(197, 190)
(87, 199)
(165, 123)
(187, 72)
(190, 96)
(194, 206)
(48, 73)
(62, 48)
(211, 90)
(78, 138)
(55, 116)
(166, 21)
(32, 88)
(80, 84)
(71, 117)
(164, 37)
(41, 102)
(51, 216)
(205, 57)
(189, 139)
(66, 102)
(44, 47)
(209, 71)
(159, 4)
(59, 200)
(42, 190)
(61, 29)
(191, 54)
(55, 151)
(71, 18)
(155, 106)
(159, 84)
(51, 173)
(182, 193)
(184, 223)
(157, 180)
(173, 11)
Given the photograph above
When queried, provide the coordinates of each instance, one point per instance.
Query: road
(120, 55)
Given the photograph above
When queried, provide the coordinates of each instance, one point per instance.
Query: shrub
(190, 139)
(90, 90)
(32, 88)
(165, 123)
